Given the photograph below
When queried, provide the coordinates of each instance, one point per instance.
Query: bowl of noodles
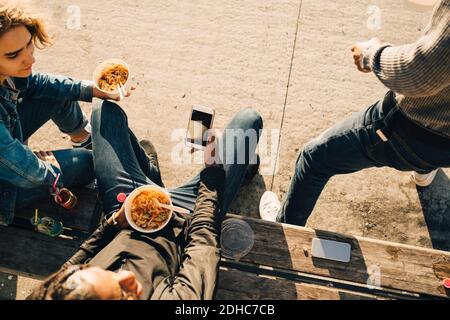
(143, 214)
(110, 74)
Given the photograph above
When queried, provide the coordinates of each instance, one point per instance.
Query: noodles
(112, 76)
(146, 214)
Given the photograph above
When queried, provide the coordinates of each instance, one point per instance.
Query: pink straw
(56, 181)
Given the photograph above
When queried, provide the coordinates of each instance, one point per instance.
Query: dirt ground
(280, 57)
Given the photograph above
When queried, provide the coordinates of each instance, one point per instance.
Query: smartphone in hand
(200, 121)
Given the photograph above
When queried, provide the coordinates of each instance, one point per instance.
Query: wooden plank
(31, 254)
(84, 217)
(240, 285)
(401, 267)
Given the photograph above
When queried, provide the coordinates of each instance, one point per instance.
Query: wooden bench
(26, 252)
(278, 264)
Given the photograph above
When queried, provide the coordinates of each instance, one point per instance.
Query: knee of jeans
(311, 152)
(102, 107)
(250, 118)
(64, 107)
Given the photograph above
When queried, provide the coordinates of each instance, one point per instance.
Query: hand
(211, 155)
(101, 95)
(48, 157)
(359, 48)
(119, 218)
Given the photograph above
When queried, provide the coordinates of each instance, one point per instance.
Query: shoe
(423, 180)
(252, 170)
(150, 150)
(269, 206)
(86, 143)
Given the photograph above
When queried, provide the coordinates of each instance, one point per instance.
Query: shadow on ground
(246, 202)
(435, 202)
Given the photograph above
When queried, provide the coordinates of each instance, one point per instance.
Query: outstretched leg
(237, 149)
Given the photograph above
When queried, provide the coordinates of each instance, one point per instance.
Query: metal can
(48, 226)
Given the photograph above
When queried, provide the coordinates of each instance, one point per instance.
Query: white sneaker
(269, 206)
(423, 180)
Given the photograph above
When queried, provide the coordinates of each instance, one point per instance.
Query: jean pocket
(407, 155)
(396, 153)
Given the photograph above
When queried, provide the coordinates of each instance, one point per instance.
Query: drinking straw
(36, 216)
(56, 181)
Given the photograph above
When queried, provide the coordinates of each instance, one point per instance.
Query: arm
(415, 70)
(198, 272)
(101, 237)
(48, 86)
(20, 166)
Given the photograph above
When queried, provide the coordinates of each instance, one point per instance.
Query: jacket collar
(21, 83)
(12, 94)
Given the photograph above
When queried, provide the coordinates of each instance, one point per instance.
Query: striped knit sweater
(419, 73)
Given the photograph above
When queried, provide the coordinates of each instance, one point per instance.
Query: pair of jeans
(76, 164)
(121, 164)
(350, 146)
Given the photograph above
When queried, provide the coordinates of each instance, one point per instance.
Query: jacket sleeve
(101, 237)
(198, 272)
(415, 70)
(20, 166)
(59, 87)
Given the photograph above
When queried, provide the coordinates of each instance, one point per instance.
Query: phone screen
(199, 124)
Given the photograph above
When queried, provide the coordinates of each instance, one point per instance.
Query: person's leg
(67, 115)
(348, 147)
(119, 161)
(237, 149)
(77, 169)
(150, 169)
(339, 150)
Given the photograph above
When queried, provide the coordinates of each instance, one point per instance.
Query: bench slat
(402, 267)
(236, 284)
(31, 254)
(84, 217)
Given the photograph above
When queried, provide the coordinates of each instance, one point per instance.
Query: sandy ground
(276, 56)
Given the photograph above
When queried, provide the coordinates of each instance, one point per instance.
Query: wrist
(87, 90)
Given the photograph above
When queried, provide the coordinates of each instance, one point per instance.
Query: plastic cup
(129, 202)
(104, 65)
(237, 239)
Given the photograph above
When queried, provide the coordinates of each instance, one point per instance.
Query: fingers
(128, 93)
(120, 218)
(44, 155)
(211, 157)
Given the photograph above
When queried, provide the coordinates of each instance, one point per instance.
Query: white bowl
(102, 66)
(129, 202)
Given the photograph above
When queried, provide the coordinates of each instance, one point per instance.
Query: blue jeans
(350, 146)
(121, 164)
(76, 164)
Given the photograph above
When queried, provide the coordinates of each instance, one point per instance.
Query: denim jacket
(19, 167)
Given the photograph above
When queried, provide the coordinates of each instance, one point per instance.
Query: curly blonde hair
(12, 16)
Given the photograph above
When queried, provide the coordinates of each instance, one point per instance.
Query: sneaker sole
(424, 183)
